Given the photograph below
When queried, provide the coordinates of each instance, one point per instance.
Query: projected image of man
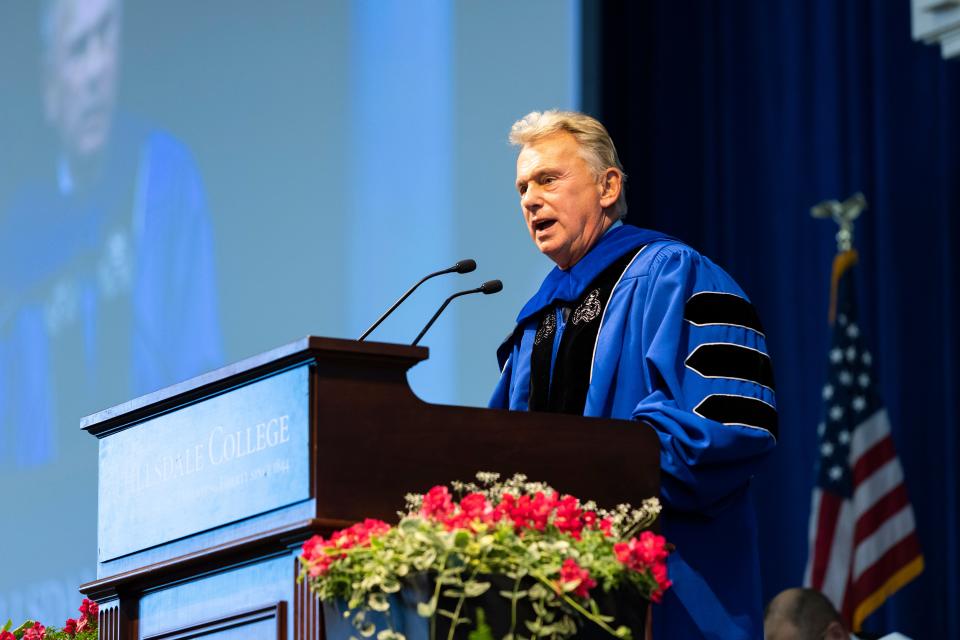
(108, 256)
(107, 281)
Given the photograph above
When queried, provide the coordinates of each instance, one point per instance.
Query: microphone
(463, 266)
(488, 287)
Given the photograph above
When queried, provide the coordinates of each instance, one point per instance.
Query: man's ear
(611, 182)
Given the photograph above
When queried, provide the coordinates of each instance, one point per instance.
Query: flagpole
(863, 544)
(843, 213)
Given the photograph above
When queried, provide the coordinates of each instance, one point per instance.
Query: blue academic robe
(661, 357)
(153, 280)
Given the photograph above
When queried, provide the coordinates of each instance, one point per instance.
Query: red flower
(652, 547)
(659, 573)
(317, 557)
(321, 565)
(437, 503)
(575, 576)
(359, 534)
(643, 552)
(473, 509)
(6, 635)
(590, 519)
(313, 547)
(568, 516)
(540, 509)
(530, 513)
(70, 626)
(646, 554)
(474, 506)
(89, 608)
(606, 525)
(36, 632)
(318, 554)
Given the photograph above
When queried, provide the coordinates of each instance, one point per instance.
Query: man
(807, 614)
(633, 324)
(107, 291)
(106, 260)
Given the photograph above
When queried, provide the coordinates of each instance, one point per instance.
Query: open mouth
(543, 225)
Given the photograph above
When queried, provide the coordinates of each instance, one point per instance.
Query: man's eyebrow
(539, 173)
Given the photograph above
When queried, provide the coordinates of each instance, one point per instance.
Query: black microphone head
(465, 266)
(491, 286)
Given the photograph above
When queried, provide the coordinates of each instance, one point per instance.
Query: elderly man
(107, 285)
(106, 258)
(633, 324)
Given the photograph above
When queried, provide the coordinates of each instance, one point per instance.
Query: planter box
(625, 605)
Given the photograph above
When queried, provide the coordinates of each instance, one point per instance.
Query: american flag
(863, 540)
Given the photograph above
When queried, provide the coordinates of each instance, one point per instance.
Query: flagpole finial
(843, 213)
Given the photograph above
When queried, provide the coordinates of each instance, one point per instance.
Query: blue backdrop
(732, 120)
(344, 148)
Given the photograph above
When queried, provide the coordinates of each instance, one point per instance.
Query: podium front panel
(233, 456)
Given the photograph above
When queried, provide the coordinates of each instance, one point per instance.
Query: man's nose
(531, 200)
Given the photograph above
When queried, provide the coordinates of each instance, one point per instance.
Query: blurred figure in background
(807, 614)
(107, 291)
(107, 261)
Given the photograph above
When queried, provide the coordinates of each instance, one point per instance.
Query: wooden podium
(208, 488)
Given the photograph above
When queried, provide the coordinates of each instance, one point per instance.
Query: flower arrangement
(82, 628)
(555, 557)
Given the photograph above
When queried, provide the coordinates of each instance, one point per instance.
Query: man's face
(562, 199)
(81, 80)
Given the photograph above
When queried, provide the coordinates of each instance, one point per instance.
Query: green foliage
(87, 624)
(53, 633)
(482, 631)
(460, 560)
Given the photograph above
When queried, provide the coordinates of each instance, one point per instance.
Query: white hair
(50, 17)
(596, 146)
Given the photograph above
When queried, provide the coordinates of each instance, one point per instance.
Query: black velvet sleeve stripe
(741, 410)
(712, 307)
(723, 360)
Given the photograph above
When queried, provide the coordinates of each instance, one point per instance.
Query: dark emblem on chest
(589, 309)
(561, 358)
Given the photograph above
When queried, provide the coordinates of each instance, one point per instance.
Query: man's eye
(548, 179)
(522, 189)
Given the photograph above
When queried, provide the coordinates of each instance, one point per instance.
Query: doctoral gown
(678, 347)
(105, 293)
